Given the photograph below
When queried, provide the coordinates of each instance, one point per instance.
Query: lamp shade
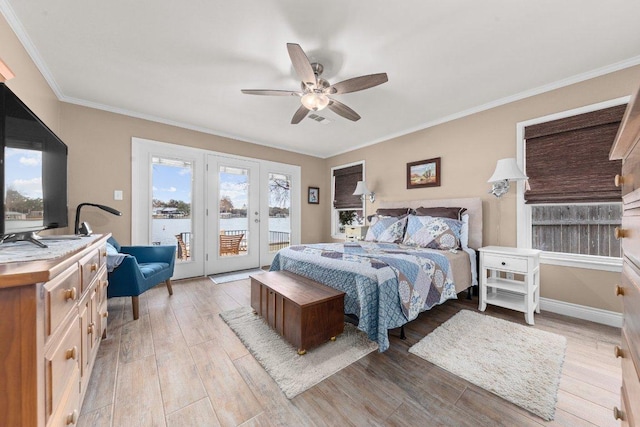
(507, 169)
(361, 188)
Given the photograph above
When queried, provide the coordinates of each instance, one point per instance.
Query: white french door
(199, 200)
(233, 221)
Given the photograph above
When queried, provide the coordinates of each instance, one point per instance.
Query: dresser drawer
(502, 262)
(60, 296)
(61, 364)
(630, 380)
(69, 410)
(89, 266)
(631, 304)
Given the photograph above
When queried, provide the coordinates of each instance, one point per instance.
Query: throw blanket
(386, 284)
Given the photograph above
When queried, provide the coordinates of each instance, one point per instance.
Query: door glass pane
(233, 219)
(172, 182)
(279, 207)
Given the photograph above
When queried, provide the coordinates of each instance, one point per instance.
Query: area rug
(516, 362)
(234, 275)
(294, 373)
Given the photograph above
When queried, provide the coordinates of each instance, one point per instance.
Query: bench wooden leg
(135, 303)
(302, 351)
(169, 288)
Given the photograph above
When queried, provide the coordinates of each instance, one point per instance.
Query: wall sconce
(363, 191)
(506, 170)
(85, 229)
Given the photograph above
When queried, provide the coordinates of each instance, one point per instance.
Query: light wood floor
(180, 365)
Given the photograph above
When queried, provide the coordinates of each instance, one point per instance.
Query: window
(347, 210)
(571, 205)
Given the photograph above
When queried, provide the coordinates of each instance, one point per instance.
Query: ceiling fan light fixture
(314, 101)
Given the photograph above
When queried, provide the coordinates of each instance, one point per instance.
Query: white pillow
(464, 231)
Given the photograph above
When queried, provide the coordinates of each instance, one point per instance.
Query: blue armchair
(138, 269)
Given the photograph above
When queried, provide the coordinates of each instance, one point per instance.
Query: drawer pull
(72, 353)
(503, 263)
(617, 351)
(618, 180)
(619, 233)
(72, 418)
(90, 328)
(104, 253)
(94, 267)
(619, 291)
(105, 314)
(70, 294)
(617, 413)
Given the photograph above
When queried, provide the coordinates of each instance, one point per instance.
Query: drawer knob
(617, 351)
(72, 418)
(90, 328)
(72, 353)
(70, 294)
(619, 233)
(618, 180)
(105, 314)
(94, 267)
(104, 253)
(619, 291)
(617, 413)
(503, 263)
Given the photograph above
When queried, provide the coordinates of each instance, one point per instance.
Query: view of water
(165, 230)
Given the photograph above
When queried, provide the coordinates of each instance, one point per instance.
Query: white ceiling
(184, 63)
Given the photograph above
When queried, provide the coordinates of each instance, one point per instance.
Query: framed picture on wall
(424, 173)
(314, 195)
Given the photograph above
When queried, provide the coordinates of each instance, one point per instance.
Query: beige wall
(100, 162)
(469, 148)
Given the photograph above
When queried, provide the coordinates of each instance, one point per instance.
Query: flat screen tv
(33, 173)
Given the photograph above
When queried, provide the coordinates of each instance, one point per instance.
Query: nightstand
(352, 234)
(498, 284)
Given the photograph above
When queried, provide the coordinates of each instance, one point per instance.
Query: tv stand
(30, 237)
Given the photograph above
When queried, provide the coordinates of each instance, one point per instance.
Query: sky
(23, 171)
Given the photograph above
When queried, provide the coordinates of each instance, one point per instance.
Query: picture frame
(424, 173)
(314, 195)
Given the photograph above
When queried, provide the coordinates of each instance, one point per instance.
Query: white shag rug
(516, 362)
(294, 373)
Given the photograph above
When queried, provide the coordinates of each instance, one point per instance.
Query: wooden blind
(567, 160)
(345, 181)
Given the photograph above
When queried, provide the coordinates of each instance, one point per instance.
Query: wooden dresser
(627, 148)
(53, 314)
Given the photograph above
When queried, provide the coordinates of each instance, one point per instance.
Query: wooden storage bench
(306, 313)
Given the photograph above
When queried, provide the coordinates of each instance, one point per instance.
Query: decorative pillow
(442, 212)
(386, 229)
(395, 212)
(433, 232)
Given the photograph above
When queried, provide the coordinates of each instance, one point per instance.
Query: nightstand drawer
(502, 262)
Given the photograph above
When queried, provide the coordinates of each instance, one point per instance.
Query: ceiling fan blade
(271, 92)
(342, 110)
(301, 64)
(300, 114)
(358, 83)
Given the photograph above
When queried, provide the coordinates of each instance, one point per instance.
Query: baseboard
(592, 314)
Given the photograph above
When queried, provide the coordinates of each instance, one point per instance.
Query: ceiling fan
(316, 91)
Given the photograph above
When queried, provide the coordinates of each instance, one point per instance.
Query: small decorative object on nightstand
(353, 234)
(502, 288)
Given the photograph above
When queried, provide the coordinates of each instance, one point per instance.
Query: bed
(388, 284)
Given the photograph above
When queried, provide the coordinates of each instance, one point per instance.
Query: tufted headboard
(473, 205)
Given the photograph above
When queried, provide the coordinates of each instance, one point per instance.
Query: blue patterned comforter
(386, 284)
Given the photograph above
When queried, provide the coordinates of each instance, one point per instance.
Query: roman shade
(345, 181)
(567, 160)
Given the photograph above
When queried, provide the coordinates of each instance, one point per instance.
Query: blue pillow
(386, 229)
(433, 232)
